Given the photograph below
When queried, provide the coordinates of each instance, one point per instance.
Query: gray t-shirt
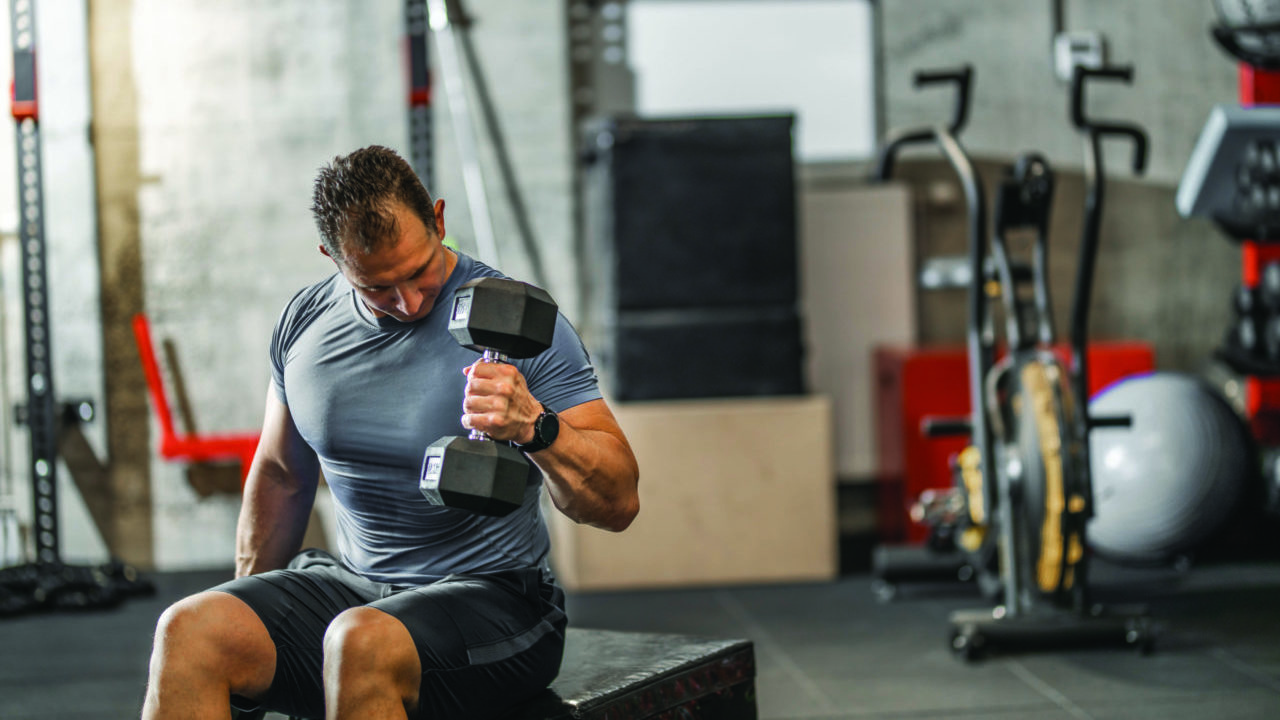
(370, 394)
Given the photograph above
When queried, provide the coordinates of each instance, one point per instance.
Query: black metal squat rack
(45, 581)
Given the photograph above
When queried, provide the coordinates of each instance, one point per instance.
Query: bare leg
(207, 647)
(371, 667)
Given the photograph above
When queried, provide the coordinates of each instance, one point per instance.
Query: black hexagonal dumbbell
(502, 319)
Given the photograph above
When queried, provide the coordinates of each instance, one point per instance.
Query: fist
(497, 402)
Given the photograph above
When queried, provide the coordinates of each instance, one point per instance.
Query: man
(431, 611)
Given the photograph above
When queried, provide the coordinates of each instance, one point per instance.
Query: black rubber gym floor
(827, 650)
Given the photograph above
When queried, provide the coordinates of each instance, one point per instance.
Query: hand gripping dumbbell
(502, 319)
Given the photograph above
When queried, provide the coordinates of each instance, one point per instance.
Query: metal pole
(420, 120)
(469, 150)
(41, 417)
(520, 213)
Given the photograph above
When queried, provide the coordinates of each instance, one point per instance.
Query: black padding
(690, 230)
(705, 353)
(693, 211)
(640, 675)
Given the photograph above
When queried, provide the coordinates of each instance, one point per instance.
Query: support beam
(90, 476)
(129, 531)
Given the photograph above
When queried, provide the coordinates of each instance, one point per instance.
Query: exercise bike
(1022, 497)
(939, 560)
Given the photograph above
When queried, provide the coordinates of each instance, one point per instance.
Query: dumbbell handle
(492, 356)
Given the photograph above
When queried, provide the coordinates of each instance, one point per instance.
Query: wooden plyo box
(732, 491)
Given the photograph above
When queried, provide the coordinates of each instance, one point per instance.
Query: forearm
(273, 520)
(591, 477)
(591, 472)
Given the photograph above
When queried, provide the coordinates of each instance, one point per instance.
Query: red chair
(187, 447)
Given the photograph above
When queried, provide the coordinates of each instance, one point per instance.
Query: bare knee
(185, 623)
(216, 636)
(367, 651)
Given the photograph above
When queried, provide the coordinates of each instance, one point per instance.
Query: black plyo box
(705, 353)
(690, 229)
(691, 212)
(609, 675)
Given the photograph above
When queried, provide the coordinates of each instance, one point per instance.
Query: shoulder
(469, 268)
(307, 304)
(315, 297)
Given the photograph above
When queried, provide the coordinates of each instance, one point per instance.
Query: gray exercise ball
(1166, 483)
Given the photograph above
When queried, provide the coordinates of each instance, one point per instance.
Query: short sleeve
(562, 376)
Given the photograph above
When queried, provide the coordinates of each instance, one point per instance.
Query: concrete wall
(237, 105)
(1019, 105)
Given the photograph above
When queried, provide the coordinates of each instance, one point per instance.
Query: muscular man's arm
(278, 494)
(591, 472)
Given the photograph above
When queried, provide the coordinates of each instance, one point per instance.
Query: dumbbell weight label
(461, 309)
(431, 475)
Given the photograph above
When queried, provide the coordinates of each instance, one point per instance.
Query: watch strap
(546, 427)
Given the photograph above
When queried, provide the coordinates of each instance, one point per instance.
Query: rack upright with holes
(44, 581)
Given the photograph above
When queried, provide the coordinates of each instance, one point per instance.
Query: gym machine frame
(1027, 471)
(939, 560)
(46, 581)
(979, 352)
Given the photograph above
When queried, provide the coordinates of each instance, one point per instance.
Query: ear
(439, 211)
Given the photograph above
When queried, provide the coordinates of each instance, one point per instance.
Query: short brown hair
(352, 197)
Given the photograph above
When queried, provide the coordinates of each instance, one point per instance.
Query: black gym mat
(827, 650)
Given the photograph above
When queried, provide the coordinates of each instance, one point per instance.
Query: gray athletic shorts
(487, 642)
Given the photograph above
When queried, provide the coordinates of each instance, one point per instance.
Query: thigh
(296, 605)
(486, 642)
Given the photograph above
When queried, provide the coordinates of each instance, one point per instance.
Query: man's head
(379, 226)
(353, 197)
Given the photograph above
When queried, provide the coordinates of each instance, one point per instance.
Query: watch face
(548, 427)
(545, 429)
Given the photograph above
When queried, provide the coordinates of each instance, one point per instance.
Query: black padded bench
(609, 675)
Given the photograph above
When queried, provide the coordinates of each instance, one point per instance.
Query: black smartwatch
(545, 430)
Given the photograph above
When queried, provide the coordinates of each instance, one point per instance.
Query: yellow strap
(970, 461)
(1049, 566)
